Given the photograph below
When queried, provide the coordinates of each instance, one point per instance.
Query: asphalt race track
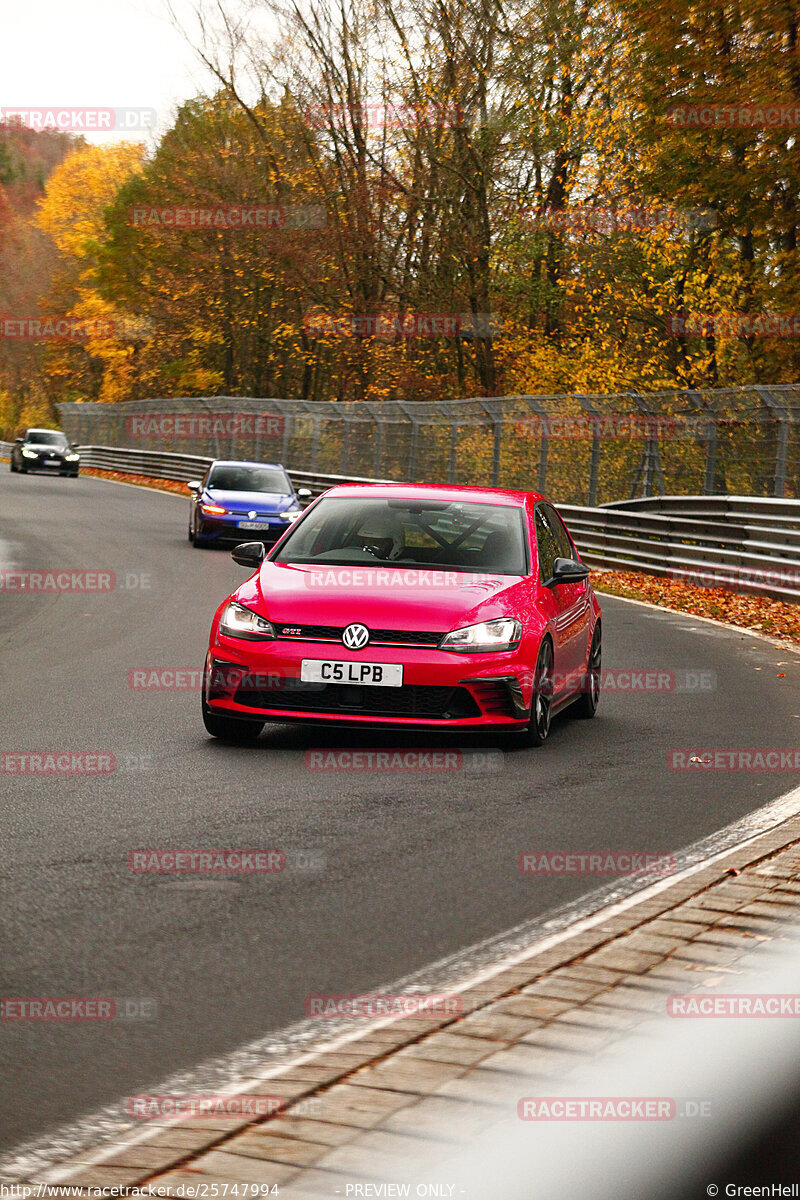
(416, 865)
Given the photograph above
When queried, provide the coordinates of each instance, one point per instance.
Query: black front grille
(377, 637)
(411, 700)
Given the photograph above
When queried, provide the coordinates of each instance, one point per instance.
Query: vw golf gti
(409, 606)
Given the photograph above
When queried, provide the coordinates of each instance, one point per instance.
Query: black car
(46, 450)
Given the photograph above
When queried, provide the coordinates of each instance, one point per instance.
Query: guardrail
(744, 542)
(753, 510)
(183, 467)
(743, 554)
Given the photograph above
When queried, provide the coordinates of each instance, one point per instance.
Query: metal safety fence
(580, 449)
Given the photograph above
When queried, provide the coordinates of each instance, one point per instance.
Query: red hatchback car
(412, 607)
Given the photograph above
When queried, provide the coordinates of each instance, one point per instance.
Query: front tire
(231, 729)
(196, 538)
(586, 707)
(538, 728)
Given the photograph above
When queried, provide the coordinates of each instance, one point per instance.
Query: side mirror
(19, 441)
(73, 445)
(194, 486)
(568, 570)
(248, 554)
(304, 493)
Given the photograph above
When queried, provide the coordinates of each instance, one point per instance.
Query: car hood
(242, 501)
(44, 446)
(384, 596)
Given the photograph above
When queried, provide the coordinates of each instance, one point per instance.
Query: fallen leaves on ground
(160, 485)
(778, 618)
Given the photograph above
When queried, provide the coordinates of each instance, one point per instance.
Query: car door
(571, 610)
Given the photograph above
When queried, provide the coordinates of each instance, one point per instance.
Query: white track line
(781, 643)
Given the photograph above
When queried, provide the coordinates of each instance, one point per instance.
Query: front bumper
(49, 464)
(443, 690)
(226, 529)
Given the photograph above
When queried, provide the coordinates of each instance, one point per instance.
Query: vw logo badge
(252, 514)
(355, 637)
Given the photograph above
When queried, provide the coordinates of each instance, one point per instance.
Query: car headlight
(211, 509)
(238, 621)
(292, 514)
(29, 454)
(72, 457)
(503, 634)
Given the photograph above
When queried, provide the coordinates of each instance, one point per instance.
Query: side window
(546, 543)
(565, 549)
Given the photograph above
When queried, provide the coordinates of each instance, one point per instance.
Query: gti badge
(355, 637)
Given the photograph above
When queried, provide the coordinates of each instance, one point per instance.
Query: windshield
(46, 437)
(449, 535)
(249, 479)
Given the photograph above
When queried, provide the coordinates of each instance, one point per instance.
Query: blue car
(242, 502)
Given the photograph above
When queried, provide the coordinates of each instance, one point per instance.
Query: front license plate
(51, 463)
(254, 525)
(319, 670)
